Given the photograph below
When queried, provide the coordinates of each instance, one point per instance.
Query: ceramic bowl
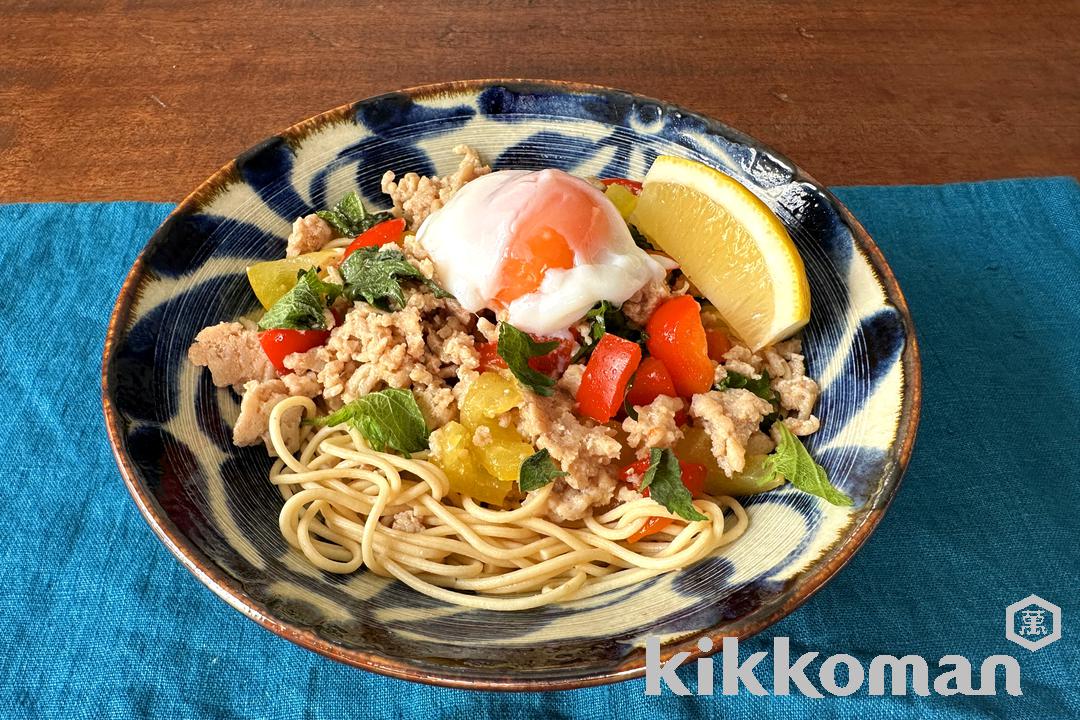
(211, 504)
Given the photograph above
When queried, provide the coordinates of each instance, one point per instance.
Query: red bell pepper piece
(277, 344)
(652, 526)
(718, 343)
(677, 338)
(603, 384)
(651, 381)
(633, 185)
(387, 231)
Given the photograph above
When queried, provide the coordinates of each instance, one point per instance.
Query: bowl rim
(632, 666)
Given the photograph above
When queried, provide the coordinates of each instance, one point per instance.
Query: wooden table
(142, 100)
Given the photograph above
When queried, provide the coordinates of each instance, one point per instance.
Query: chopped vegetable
(791, 460)
(280, 343)
(452, 450)
(385, 232)
(606, 317)
(516, 348)
(349, 218)
(718, 343)
(651, 526)
(387, 418)
(696, 446)
(271, 279)
(670, 482)
(664, 481)
(490, 396)
(760, 386)
(302, 307)
(622, 198)
(632, 185)
(650, 381)
(693, 475)
(505, 453)
(677, 338)
(493, 467)
(552, 364)
(606, 376)
(639, 238)
(537, 471)
(375, 276)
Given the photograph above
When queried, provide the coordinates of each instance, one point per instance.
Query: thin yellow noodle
(340, 498)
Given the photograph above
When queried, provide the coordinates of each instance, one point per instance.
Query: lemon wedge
(729, 244)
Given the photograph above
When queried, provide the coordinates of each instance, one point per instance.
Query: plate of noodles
(481, 384)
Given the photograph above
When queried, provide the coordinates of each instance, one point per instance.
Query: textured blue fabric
(100, 621)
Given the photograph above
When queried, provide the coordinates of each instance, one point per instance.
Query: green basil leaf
(375, 276)
(664, 480)
(349, 218)
(387, 418)
(537, 471)
(639, 238)
(516, 348)
(759, 386)
(791, 459)
(302, 307)
(603, 318)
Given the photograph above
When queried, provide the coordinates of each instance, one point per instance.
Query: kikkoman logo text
(886, 674)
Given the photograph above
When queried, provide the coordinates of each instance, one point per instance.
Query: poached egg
(540, 248)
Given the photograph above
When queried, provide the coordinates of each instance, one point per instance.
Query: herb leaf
(639, 239)
(664, 480)
(387, 418)
(791, 460)
(375, 276)
(349, 218)
(516, 347)
(537, 471)
(606, 317)
(302, 307)
(759, 386)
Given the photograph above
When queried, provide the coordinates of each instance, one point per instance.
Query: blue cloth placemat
(100, 621)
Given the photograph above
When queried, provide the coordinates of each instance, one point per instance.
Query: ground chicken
(786, 366)
(407, 521)
(415, 252)
(655, 426)
(742, 360)
(233, 354)
(729, 417)
(254, 421)
(798, 393)
(571, 379)
(567, 502)
(309, 233)
(420, 347)
(488, 329)
(482, 436)
(582, 449)
(639, 308)
(416, 197)
(306, 385)
(759, 444)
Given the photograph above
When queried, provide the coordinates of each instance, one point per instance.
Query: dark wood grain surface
(142, 100)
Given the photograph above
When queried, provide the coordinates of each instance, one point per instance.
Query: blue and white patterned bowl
(211, 504)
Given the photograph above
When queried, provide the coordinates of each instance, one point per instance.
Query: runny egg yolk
(527, 259)
(562, 224)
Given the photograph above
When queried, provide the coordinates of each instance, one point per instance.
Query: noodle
(338, 492)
